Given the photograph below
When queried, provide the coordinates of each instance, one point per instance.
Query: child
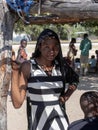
(77, 65)
(92, 64)
(22, 55)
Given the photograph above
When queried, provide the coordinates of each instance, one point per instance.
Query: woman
(44, 80)
(72, 52)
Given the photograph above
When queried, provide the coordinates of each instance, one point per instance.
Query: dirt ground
(16, 118)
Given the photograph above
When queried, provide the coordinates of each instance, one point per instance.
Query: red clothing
(22, 55)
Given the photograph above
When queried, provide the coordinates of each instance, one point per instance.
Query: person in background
(42, 80)
(92, 64)
(22, 54)
(85, 46)
(96, 52)
(77, 65)
(89, 106)
(72, 52)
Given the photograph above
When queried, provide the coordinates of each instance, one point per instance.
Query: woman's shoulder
(29, 63)
(26, 67)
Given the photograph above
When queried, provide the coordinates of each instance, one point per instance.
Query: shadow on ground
(89, 82)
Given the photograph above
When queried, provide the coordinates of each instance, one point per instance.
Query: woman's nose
(53, 49)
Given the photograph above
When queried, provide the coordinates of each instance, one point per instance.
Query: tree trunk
(64, 11)
(6, 30)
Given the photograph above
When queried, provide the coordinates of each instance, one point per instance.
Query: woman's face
(49, 49)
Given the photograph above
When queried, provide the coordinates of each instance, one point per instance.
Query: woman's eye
(54, 48)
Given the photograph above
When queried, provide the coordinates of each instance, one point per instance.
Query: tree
(49, 11)
(7, 21)
(91, 26)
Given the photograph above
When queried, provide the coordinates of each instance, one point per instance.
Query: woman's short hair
(89, 99)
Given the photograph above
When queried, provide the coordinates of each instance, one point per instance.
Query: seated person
(89, 106)
(92, 64)
(77, 64)
(96, 53)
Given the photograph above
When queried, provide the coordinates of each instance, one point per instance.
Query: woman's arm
(68, 93)
(72, 78)
(19, 83)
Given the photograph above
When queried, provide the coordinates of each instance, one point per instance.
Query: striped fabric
(43, 96)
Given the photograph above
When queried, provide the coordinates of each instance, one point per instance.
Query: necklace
(47, 69)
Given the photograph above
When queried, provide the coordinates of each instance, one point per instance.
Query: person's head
(92, 56)
(89, 103)
(73, 40)
(23, 43)
(48, 45)
(85, 35)
(96, 51)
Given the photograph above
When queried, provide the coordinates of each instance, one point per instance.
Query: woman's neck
(47, 66)
(43, 62)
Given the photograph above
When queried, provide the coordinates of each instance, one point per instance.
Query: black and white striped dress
(43, 96)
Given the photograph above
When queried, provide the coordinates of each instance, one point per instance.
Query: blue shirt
(85, 124)
(85, 46)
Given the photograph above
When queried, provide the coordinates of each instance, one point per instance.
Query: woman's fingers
(15, 65)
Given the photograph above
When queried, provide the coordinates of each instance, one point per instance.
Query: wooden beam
(64, 11)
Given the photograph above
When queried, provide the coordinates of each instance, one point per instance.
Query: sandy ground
(16, 118)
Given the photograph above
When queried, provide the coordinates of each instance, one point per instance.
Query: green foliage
(91, 26)
(34, 30)
(65, 31)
